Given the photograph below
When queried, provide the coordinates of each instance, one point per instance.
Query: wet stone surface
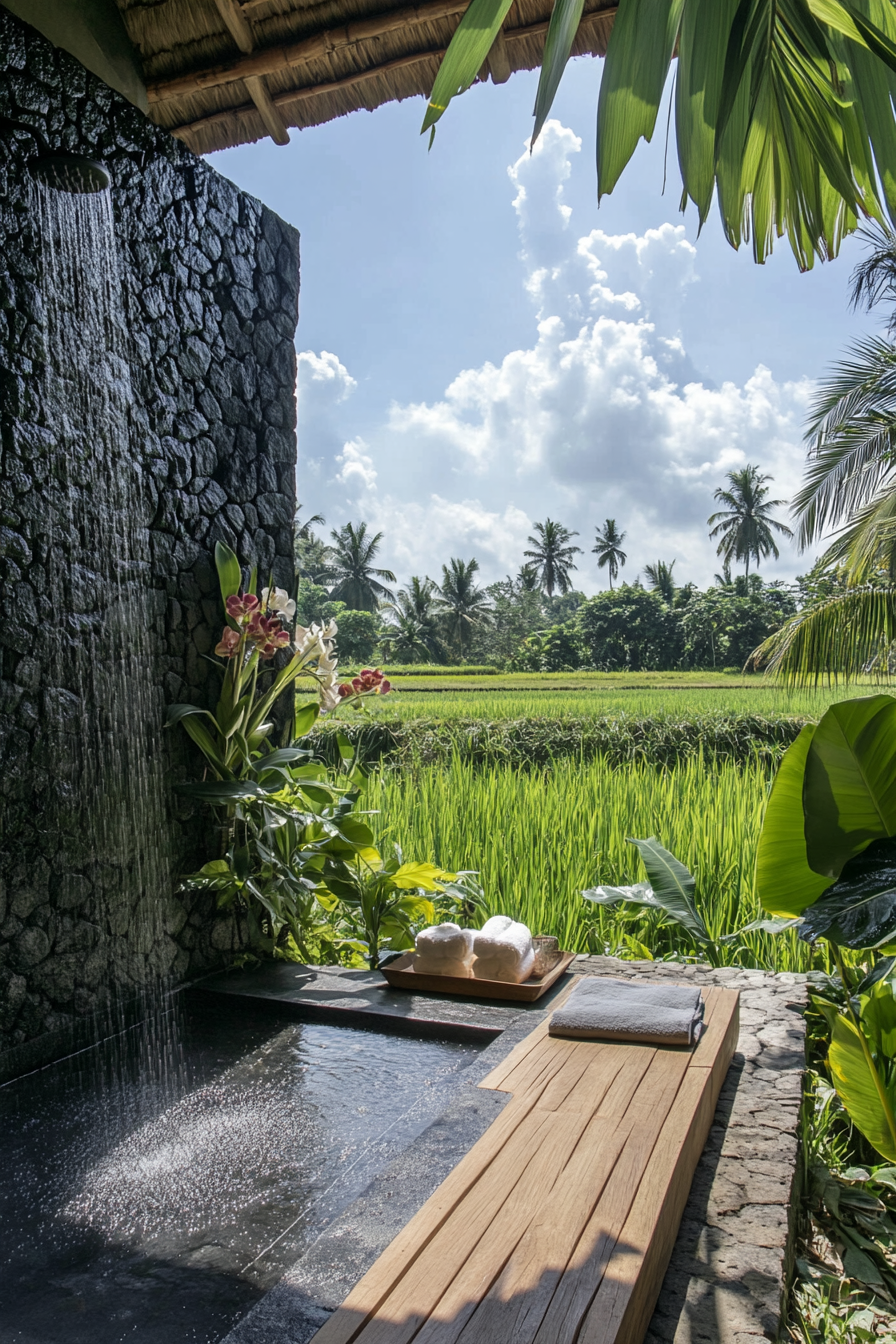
(731, 1258)
(157, 1207)
(363, 999)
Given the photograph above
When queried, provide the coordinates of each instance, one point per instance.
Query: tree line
(536, 620)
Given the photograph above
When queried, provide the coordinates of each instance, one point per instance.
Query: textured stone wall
(210, 282)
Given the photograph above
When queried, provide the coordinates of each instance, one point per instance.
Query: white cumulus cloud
(600, 414)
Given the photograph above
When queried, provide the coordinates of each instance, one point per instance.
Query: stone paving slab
(363, 999)
(725, 1278)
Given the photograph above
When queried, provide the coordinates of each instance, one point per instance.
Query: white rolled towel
(503, 951)
(445, 949)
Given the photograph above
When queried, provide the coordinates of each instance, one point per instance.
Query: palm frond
(843, 638)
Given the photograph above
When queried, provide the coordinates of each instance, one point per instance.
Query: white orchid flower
(329, 697)
(277, 599)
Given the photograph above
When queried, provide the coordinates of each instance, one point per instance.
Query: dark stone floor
(363, 999)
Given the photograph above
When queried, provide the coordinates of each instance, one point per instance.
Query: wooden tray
(401, 975)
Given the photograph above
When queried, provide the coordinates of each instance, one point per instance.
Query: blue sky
(481, 346)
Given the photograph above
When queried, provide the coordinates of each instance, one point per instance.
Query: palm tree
(311, 551)
(781, 153)
(745, 526)
(351, 573)
(552, 556)
(462, 603)
(659, 577)
(849, 487)
(414, 633)
(303, 530)
(608, 549)
(527, 580)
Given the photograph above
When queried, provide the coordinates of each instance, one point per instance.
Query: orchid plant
(257, 629)
(287, 816)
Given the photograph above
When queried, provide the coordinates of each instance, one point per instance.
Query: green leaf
(856, 1088)
(425, 875)
(466, 53)
(640, 894)
(306, 717)
(284, 756)
(785, 883)
(705, 29)
(564, 24)
(219, 792)
(346, 750)
(673, 886)
(878, 1019)
(639, 54)
(230, 576)
(849, 787)
(859, 910)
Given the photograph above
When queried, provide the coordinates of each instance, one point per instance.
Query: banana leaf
(673, 886)
(849, 787)
(859, 910)
(785, 883)
(854, 1079)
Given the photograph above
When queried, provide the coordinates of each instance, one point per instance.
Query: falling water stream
(110, 795)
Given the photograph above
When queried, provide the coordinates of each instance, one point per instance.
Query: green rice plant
(540, 837)
(660, 739)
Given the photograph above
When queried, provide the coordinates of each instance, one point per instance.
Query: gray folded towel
(616, 1010)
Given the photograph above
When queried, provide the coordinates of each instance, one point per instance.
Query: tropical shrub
(284, 816)
(827, 856)
(628, 629)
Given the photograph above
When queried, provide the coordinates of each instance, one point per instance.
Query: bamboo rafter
(498, 63)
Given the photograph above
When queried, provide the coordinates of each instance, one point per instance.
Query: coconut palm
(552, 556)
(745, 526)
(849, 488)
(659, 577)
(351, 574)
(608, 549)
(463, 605)
(761, 120)
(413, 633)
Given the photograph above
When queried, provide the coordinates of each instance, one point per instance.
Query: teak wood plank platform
(558, 1225)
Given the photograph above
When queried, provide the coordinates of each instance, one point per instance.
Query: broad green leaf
(878, 1019)
(705, 29)
(283, 756)
(346, 750)
(770, 926)
(639, 54)
(785, 884)
(306, 717)
(219, 792)
(564, 24)
(849, 786)
(854, 1081)
(859, 910)
(425, 875)
(640, 894)
(230, 575)
(466, 53)
(357, 832)
(673, 886)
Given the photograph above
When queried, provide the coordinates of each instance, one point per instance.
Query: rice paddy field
(540, 837)
(536, 782)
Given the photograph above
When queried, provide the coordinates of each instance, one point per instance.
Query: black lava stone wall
(211, 297)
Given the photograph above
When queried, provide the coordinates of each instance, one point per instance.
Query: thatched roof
(221, 73)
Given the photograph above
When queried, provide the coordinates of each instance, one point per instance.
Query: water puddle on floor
(132, 1212)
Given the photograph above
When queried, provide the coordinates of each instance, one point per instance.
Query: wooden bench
(558, 1225)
